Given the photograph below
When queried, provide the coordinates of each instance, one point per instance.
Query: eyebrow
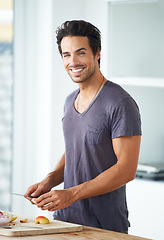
(78, 50)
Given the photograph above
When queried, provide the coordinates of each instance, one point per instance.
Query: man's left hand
(55, 199)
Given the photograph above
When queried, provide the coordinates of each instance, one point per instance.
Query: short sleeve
(126, 119)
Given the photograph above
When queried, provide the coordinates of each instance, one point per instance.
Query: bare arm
(127, 152)
(53, 179)
(57, 176)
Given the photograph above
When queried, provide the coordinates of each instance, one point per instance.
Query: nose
(73, 60)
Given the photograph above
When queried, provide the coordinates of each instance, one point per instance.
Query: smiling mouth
(76, 70)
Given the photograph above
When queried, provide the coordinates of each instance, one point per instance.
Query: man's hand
(53, 179)
(55, 199)
(38, 189)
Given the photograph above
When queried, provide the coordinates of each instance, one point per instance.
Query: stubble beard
(88, 75)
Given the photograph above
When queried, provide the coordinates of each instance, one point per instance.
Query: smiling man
(79, 62)
(102, 132)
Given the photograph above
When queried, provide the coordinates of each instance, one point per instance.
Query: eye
(81, 53)
(66, 55)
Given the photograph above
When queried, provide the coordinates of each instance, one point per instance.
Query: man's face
(78, 58)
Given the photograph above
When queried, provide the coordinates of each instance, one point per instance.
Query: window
(6, 85)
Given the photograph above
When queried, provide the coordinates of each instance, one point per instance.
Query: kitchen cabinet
(135, 38)
(145, 201)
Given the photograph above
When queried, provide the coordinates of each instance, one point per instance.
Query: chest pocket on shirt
(93, 136)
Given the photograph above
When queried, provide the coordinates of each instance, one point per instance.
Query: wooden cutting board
(30, 228)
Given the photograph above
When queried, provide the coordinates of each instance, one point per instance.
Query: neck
(87, 95)
(89, 87)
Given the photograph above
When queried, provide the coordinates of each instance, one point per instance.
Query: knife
(10, 227)
(18, 194)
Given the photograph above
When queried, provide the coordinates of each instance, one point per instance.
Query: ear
(98, 54)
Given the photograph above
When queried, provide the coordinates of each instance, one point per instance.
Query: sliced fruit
(1, 214)
(14, 217)
(33, 200)
(23, 220)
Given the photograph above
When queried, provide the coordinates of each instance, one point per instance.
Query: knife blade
(10, 227)
(18, 194)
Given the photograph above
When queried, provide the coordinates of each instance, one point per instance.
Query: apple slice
(14, 217)
(1, 214)
(33, 200)
(23, 220)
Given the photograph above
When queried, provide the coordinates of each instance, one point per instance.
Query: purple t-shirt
(89, 151)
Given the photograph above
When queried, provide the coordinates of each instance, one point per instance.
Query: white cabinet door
(146, 208)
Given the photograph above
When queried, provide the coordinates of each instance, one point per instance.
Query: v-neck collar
(80, 115)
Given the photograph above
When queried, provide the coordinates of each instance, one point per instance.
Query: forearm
(105, 182)
(53, 179)
(57, 175)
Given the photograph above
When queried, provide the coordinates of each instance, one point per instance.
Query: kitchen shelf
(139, 81)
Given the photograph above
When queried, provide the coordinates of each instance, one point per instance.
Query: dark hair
(80, 28)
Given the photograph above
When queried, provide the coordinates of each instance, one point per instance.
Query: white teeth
(76, 70)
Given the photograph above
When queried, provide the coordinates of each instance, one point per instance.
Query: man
(102, 131)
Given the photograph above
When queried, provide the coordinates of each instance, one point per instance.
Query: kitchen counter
(87, 233)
